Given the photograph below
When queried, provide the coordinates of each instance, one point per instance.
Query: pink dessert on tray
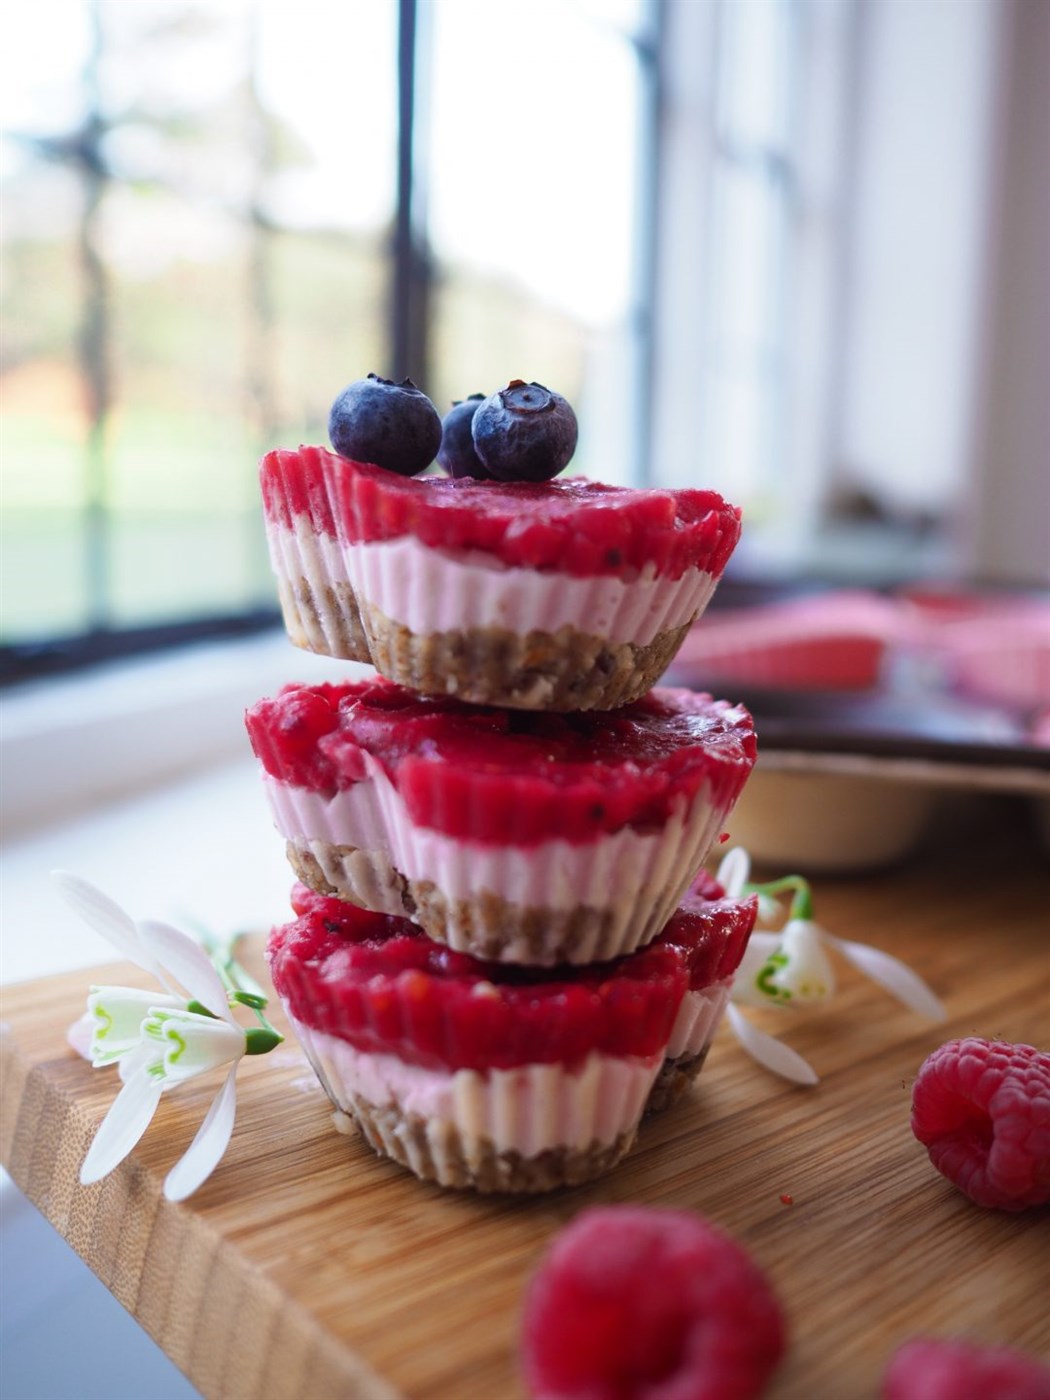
(515, 836)
(562, 595)
(481, 1075)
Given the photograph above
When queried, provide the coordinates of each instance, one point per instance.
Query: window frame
(410, 279)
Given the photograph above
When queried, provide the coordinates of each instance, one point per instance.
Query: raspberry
(982, 1110)
(642, 1304)
(931, 1369)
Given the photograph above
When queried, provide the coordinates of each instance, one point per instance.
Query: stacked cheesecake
(504, 947)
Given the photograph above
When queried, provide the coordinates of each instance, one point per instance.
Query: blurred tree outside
(161, 330)
(197, 254)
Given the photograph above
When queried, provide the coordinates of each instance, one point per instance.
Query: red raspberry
(981, 1108)
(633, 1303)
(931, 1369)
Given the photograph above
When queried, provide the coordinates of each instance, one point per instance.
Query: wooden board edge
(231, 1332)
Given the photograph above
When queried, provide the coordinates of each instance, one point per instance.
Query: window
(201, 245)
(534, 176)
(752, 212)
(679, 214)
(184, 261)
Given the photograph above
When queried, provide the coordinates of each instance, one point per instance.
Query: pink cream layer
(528, 1110)
(600, 873)
(431, 590)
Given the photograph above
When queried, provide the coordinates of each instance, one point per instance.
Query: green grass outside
(185, 529)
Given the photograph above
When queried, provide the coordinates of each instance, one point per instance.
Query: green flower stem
(243, 990)
(801, 903)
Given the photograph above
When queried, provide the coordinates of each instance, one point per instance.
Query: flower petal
(117, 1014)
(80, 1033)
(188, 1044)
(799, 970)
(128, 1118)
(188, 963)
(107, 918)
(733, 872)
(206, 1150)
(894, 976)
(771, 1053)
(745, 989)
(143, 1057)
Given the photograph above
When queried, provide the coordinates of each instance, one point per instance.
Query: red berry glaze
(633, 1303)
(981, 1108)
(935, 1369)
(709, 933)
(573, 526)
(505, 776)
(379, 983)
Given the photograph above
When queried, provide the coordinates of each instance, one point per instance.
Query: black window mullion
(650, 57)
(410, 274)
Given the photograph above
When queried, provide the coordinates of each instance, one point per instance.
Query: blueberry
(524, 432)
(456, 453)
(391, 425)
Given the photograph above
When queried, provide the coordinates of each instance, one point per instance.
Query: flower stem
(240, 986)
(802, 901)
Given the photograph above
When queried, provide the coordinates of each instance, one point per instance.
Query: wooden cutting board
(307, 1269)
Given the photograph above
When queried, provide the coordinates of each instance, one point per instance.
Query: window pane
(531, 202)
(740, 426)
(749, 215)
(186, 200)
(752, 189)
(755, 61)
(42, 554)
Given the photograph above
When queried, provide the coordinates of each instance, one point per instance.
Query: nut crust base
(673, 1080)
(438, 1152)
(330, 625)
(564, 670)
(485, 926)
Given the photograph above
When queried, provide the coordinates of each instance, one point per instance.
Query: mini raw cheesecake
(480, 1075)
(562, 595)
(514, 836)
(709, 933)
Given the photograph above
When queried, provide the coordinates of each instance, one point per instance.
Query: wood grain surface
(306, 1268)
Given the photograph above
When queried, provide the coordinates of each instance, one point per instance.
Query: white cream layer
(615, 866)
(698, 1018)
(432, 590)
(529, 1109)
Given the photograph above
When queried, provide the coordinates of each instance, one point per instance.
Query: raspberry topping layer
(709, 933)
(574, 526)
(508, 777)
(636, 1303)
(379, 983)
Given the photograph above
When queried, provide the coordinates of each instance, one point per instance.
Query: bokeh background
(796, 250)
